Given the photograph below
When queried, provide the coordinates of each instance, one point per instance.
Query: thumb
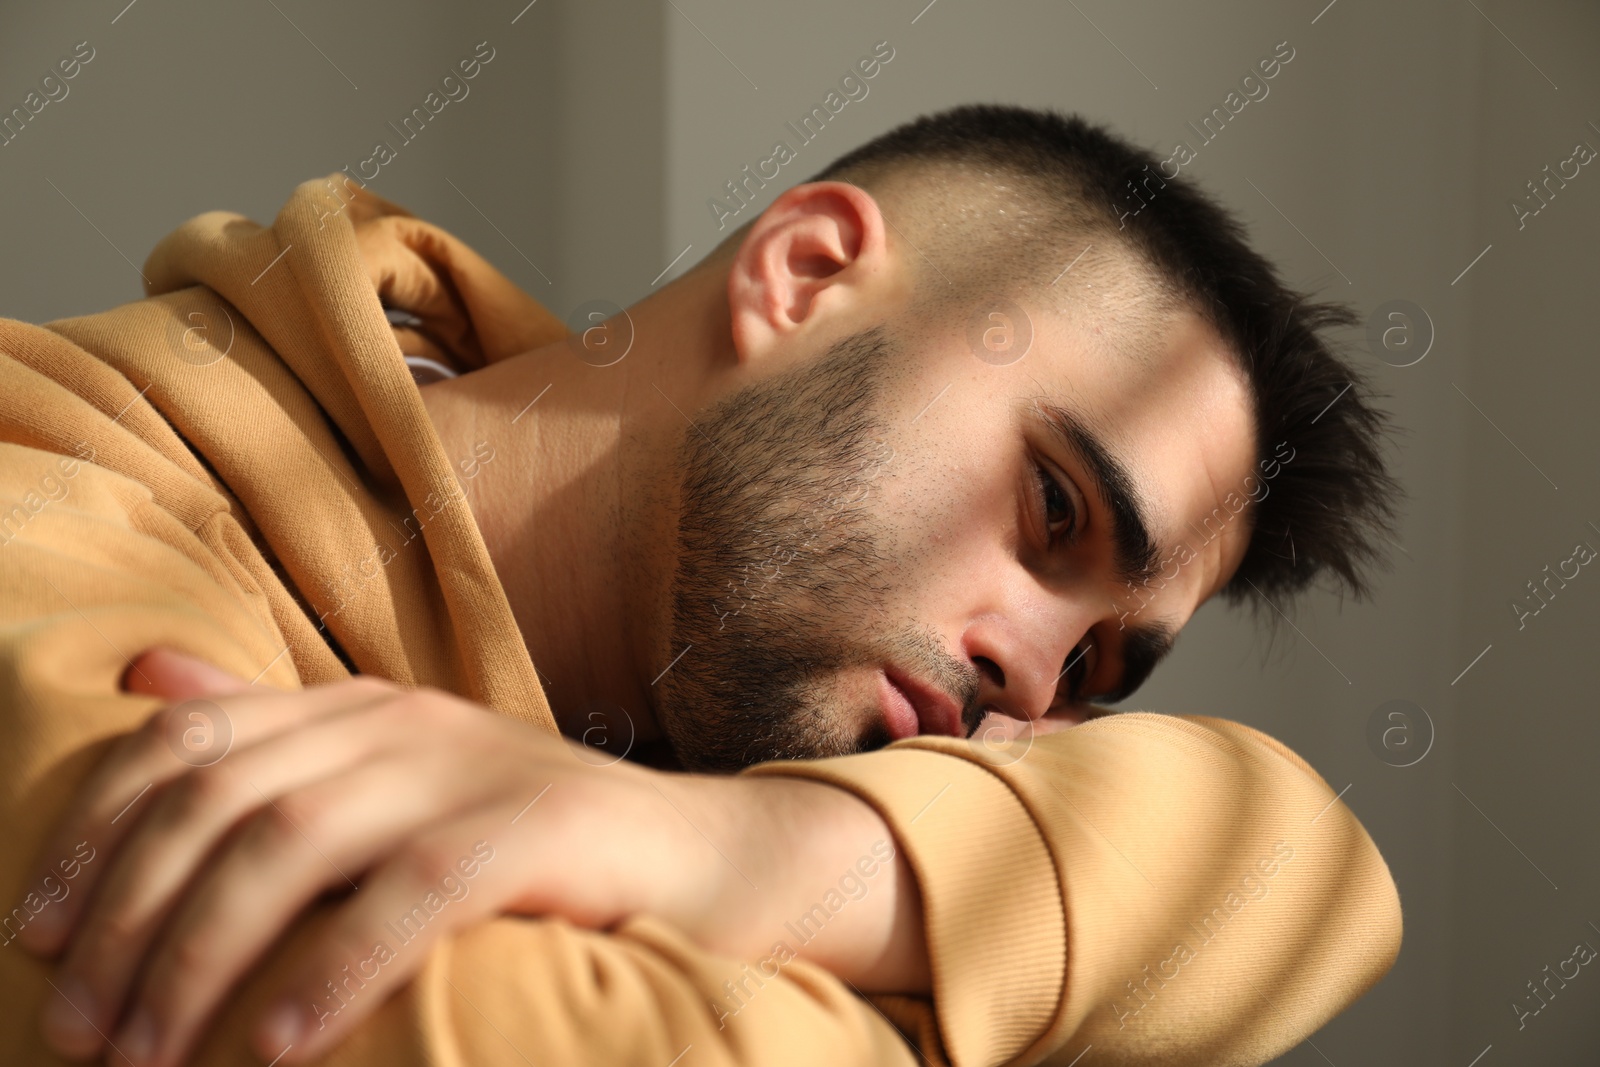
(176, 676)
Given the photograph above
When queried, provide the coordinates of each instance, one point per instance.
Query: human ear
(806, 259)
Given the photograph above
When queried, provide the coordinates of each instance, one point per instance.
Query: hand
(442, 810)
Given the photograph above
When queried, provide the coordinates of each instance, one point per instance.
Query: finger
(176, 676)
(121, 788)
(451, 878)
(161, 856)
(308, 842)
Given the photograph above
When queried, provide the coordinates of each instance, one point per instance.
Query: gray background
(1394, 141)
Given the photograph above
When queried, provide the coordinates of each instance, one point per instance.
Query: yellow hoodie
(239, 466)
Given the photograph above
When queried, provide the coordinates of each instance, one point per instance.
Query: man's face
(898, 537)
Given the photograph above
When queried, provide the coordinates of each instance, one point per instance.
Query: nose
(1023, 662)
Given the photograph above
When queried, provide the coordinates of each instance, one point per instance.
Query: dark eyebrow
(1142, 648)
(1135, 554)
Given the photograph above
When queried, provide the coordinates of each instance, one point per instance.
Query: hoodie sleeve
(1168, 890)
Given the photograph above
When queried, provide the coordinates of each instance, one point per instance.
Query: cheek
(946, 504)
(943, 520)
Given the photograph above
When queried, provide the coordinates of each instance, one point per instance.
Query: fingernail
(280, 1027)
(137, 1041)
(67, 1020)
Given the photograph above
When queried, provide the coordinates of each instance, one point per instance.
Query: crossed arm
(451, 816)
(448, 815)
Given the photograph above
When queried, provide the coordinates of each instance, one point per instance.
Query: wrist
(814, 872)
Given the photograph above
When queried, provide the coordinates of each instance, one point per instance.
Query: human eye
(1056, 504)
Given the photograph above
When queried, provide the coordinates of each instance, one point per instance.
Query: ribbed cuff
(991, 898)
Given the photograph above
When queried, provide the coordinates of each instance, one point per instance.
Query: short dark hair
(1328, 507)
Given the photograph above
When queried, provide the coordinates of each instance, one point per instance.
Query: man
(943, 445)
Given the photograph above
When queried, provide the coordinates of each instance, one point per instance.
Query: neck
(569, 470)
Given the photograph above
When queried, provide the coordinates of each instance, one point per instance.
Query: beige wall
(1393, 141)
(1529, 721)
(188, 107)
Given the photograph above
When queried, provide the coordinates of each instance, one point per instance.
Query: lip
(912, 708)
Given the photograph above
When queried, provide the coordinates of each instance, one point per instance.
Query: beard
(783, 574)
